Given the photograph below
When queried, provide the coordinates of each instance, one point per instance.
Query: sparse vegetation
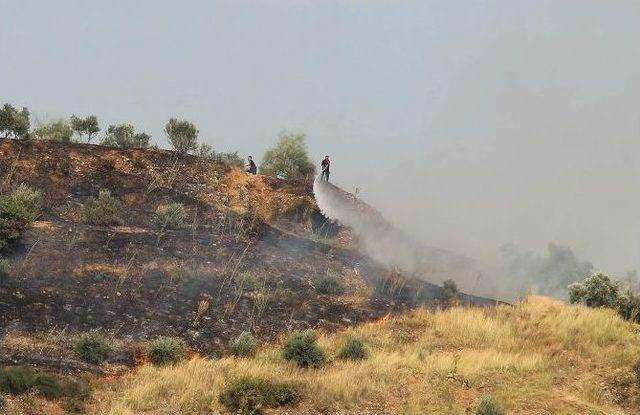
(104, 210)
(230, 159)
(57, 130)
(18, 209)
(124, 136)
(301, 347)
(182, 135)
(247, 282)
(249, 395)
(330, 284)
(353, 349)
(488, 406)
(93, 347)
(245, 345)
(166, 350)
(288, 158)
(5, 267)
(171, 216)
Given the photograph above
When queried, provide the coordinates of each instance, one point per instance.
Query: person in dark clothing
(252, 167)
(325, 168)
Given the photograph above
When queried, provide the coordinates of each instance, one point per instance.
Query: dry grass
(539, 356)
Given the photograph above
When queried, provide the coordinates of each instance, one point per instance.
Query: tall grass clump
(249, 395)
(171, 216)
(488, 406)
(92, 347)
(166, 350)
(353, 349)
(302, 348)
(245, 345)
(18, 209)
(104, 210)
(17, 379)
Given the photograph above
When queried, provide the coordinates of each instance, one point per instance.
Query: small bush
(629, 306)
(248, 395)
(301, 347)
(245, 345)
(488, 406)
(50, 386)
(353, 349)
(92, 347)
(330, 285)
(18, 209)
(106, 210)
(596, 291)
(170, 216)
(17, 379)
(182, 135)
(450, 289)
(247, 282)
(165, 350)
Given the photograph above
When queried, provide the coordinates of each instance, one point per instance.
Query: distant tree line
(287, 159)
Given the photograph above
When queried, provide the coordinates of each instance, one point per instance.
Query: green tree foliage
(596, 291)
(88, 126)
(182, 135)
(288, 158)
(124, 136)
(57, 130)
(14, 123)
(301, 347)
(18, 209)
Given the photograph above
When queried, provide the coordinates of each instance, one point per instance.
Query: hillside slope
(249, 259)
(537, 357)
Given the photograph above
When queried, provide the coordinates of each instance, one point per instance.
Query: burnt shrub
(248, 395)
(104, 210)
(245, 345)
(330, 285)
(171, 216)
(166, 350)
(18, 209)
(353, 349)
(488, 406)
(92, 347)
(450, 289)
(301, 347)
(17, 379)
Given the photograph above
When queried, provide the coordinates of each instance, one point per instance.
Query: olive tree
(88, 126)
(124, 136)
(57, 130)
(289, 157)
(13, 122)
(182, 135)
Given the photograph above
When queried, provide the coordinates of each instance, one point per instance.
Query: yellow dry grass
(538, 357)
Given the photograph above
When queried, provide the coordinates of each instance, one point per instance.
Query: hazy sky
(468, 123)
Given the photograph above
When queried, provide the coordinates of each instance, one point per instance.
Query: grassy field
(539, 356)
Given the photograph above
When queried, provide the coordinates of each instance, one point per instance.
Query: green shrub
(595, 291)
(249, 395)
(245, 345)
(18, 209)
(301, 347)
(247, 282)
(170, 216)
(124, 136)
(165, 350)
(330, 285)
(450, 289)
(105, 210)
(92, 347)
(17, 379)
(353, 349)
(488, 406)
(50, 386)
(629, 306)
(58, 130)
(288, 158)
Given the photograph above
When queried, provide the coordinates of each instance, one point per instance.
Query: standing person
(325, 168)
(252, 166)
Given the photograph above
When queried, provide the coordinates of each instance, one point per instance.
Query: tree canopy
(182, 135)
(289, 157)
(13, 122)
(57, 130)
(88, 126)
(124, 136)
